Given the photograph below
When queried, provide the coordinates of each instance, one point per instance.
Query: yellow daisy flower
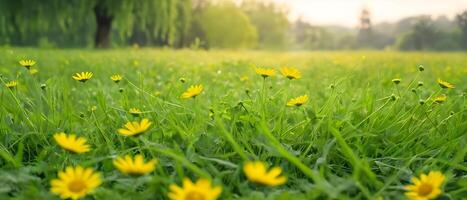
(201, 190)
(440, 99)
(135, 128)
(83, 76)
(11, 84)
(72, 143)
(256, 172)
(298, 101)
(75, 182)
(444, 84)
(33, 71)
(192, 91)
(426, 187)
(116, 78)
(135, 112)
(265, 72)
(27, 63)
(291, 73)
(135, 166)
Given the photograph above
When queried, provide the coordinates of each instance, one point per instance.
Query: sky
(346, 12)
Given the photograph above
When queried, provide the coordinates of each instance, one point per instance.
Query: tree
(462, 22)
(24, 17)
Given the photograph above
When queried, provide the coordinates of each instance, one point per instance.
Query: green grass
(360, 136)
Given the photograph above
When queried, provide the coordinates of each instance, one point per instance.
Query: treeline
(253, 24)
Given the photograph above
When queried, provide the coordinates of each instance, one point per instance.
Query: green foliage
(225, 25)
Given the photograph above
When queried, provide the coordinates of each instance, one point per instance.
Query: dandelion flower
(135, 128)
(83, 76)
(75, 182)
(426, 187)
(27, 63)
(135, 112)
(298, 101)
(265, 72)
(116, 78)
(396, 81)
(192, 91)
(136, 166)
(201, 190)
(256, 172)
(440, 99)
(11, 84)
(291, 73)
(444, 84)
(72, 143)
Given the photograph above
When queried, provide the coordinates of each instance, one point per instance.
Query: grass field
(359, 136)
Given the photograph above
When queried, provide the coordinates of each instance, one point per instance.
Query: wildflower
(192, 91)
(396, 81)
(83, 76)
(291, 73)
(256, 172)
(27, 63)
(135, 128)
(93, 108)
(244, 78)
(136, 166)
(116, 78)
(265, 72)
(75, 182)
(11, 84)
(33, 71)
(440, 99)
(72, 142)
(426, 187)
(135, 112)
(298, 101)
(444, 84)
(202, 189)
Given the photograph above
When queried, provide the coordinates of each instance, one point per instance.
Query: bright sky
(346, 12)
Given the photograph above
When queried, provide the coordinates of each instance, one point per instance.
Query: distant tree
(270, 21)
(226, 26)
(462, 22)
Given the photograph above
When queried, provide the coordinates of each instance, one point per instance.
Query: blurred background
(432, 25)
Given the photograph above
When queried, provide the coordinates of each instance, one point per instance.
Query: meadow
(370, 123)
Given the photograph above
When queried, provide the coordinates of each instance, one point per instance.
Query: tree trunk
(104, 25)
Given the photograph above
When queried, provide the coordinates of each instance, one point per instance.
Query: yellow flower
(256, 172)
(291, 73)
(116, 78)
(192, 91)
(27, 63)
(445, 84)
(440, 99)
(137, 166)
(265, 72)
(33, 71)
(75, 182)
(11, 84)
(72, 143)
(426, 187)
(83, 76)
(135, 128)
(396, 81)
(298, 101)
(201, 190)
(135, 111)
